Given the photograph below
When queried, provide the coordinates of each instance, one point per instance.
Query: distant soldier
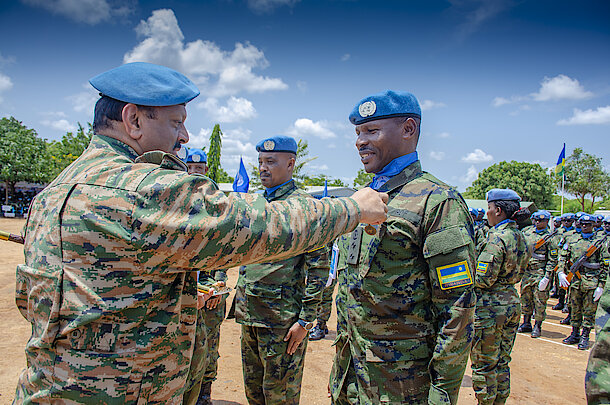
(568, 229)
(599, 225)
(479, 232)
(536, 278)
(500, 266)
(586, 286)
(324, 310)
(276, 302)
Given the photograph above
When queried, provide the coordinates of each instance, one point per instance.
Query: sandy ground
(544, 371)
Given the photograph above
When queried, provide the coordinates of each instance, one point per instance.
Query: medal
(370, 229)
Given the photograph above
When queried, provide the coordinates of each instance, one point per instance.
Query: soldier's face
(541, 223)
(275, 168)
(494, 214)
(606, 226)
(199, 168)
(586, 227)
(165, 131)
(567, 222)
(381, 141)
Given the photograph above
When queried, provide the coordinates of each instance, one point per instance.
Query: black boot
(537, 329)
(560, 304)
(554, 293)
(566, 320)
(205, 395)
(319, 331)
(573, 338)
(526, 326)
(584, 339)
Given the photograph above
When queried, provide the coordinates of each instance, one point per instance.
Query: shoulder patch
(607, 262)
(482, 267)
(553, 252)
(454, 275)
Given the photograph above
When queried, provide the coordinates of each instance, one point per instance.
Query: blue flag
(242, 181)
(325, 193)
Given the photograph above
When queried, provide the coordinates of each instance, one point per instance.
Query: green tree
(214, 154)
(23, 155)
(529, 180)
(362, 179)
(223, 176)
(585, 177)
(63, 153)
(318, 180)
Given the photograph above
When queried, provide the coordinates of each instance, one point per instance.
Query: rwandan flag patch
(554, 252)
(482, 267)
(454, 275)
(607, 262)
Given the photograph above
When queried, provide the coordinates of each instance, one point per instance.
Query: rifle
(11, 237)
(575, 268)
(544, 240)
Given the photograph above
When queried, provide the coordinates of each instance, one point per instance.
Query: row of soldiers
(555, 249)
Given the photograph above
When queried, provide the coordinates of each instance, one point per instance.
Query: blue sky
(497, 80)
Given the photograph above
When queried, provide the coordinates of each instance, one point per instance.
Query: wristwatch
(306, 325)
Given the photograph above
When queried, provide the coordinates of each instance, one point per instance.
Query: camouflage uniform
(269, 299)
(597, 379)
(593, 275)
(109, 286)
(542, 264)
(405, 302)
(500, 266)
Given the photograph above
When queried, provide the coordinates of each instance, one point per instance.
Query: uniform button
(76, 334)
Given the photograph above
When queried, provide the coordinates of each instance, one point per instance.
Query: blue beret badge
(269, 145)
(367, 109)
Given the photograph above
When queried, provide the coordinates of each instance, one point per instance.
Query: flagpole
(563, 177)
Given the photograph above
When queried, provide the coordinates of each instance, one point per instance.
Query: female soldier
(500, 266)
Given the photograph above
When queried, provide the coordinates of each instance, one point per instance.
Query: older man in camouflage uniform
(539, 272)
(276, 303)
(586, 287)
(405, 302)
(113, 243)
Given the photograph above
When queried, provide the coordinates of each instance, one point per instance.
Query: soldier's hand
(543, 284)
(597, 294)
(294, 337)
(372, 205)
(214, 301)
(563, 280)
(201, 298)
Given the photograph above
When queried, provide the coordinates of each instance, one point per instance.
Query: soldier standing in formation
(324, 310)
(113, 244)
(500, 266)
(535, 283)
(586, 287)
(405, 302)
(276, 303)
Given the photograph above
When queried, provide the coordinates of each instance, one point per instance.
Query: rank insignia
(482, 267)
(454, 275)
(269, 145)
(367, 108)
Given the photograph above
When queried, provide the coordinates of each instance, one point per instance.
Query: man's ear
(291, 163)
(131, 121)
(409, 128)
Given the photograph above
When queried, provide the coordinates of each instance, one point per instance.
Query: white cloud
(86, 11)
(236, 110)
(345, 57)
(437, 155)
(317, 168)
(199, 140)
(218, 73)
(477, 156)
(60, 125)
(304, 127)
(429, 104)
(470, 176)
(238, 133)
(268, 6)
(476, 13)
(601, 115)
(444, 135)
(302, 86)
(85, 100)
(5, 84)
(560, 87)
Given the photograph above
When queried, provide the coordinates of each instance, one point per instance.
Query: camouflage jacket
(109, 286)
(543, 260)
(500, 266)
(593, 272)
(406, 293)
(276, 295)
(597, 379)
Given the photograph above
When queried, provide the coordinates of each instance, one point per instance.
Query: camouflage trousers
(213, 321)
(271, 376)
(597, 379)
(198, 362)
(533, 301)
(326, 305)
(494, 338)
(582, 307)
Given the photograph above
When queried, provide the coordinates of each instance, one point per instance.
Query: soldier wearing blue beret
(197, 161)
(113, 244)
(405, 300)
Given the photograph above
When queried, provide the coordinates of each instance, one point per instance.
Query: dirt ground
(544, 371)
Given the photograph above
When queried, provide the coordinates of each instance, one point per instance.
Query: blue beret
(586, 218)
(277, 144)
(474, 211)
(197, 156)
(183, 153)
(504, 194)
(145, 84)
(542, 214)
(599, 217)
(481, 210)
(579, 214)
(607, 218)
(386, 104)
(568, 215)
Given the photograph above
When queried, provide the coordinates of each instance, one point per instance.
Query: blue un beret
(197, 156)
(385, 105)
(504, 194)
(481, 210)
(568, 215)
(579, 214)
(542, 214)
(277, 144)
(599, 217)
(607, 218)
(586, 218)
(474, 211)
(145, 84)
